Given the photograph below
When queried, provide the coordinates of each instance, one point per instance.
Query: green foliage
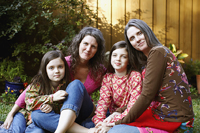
(192, 68)
(193, 91)
(11, 69)
(95, 96)
(4, 110)
(178, 53)
(196, 108)
(33, 27)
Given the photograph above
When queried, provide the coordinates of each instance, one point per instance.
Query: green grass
(4, 110)
(196, 108)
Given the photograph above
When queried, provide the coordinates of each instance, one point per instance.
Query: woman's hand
(110, 117)
(46, 108)
(8, 121)
(59, 95)
(102, 127)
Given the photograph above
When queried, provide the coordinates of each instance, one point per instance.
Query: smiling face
(55, 71)
(119, 61)
(137, 40)
(88, 48)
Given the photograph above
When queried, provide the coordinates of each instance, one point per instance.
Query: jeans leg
(124, 129)
(78, 100)
(47, 121)
(18, 124)
(32, 128)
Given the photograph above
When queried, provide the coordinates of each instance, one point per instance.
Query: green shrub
(33, 27)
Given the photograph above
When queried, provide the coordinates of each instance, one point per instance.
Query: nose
(137, 38)
(118, 57)
(56, 69)
(88, 48)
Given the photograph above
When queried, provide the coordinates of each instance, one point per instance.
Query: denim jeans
(77, 100)
(124, 129)
(18, 125)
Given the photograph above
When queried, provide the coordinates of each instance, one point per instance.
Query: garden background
(28, 29)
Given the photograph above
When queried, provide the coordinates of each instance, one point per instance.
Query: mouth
(56, 76)
(140, 44)
(117, 64)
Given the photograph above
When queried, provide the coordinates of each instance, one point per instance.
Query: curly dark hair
(95, 63)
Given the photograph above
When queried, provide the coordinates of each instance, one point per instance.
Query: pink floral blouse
(117, 92)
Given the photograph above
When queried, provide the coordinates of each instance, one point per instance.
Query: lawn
(4, 109)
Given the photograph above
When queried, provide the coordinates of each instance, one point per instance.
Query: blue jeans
(124, 129)
(77, 100)
(18, 125)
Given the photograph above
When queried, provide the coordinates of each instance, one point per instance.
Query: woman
(164, 82)
(86, 58)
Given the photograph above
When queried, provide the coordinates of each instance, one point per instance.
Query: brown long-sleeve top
(165, 82)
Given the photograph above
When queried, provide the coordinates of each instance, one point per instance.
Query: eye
(131, 38)
(51, 67)
(124, 56)
(140, 32)
(60, 66)
(85, 43)
(93, 46)
(114, 55)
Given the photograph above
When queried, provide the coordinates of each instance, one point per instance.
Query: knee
(37, 115)
(75, 85)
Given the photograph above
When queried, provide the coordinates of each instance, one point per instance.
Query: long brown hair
(42, 78)
(138, 59)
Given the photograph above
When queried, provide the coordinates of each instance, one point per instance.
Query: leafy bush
(30, 26)
(11, 69)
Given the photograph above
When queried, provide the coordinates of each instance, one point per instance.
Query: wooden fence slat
(159, 20)
(104, 23)
(132, 10)
(186, 27)
(146, 7)
(196, 30)
(172, 22)
(118, 20)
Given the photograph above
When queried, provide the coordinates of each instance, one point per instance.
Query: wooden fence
(173, 21)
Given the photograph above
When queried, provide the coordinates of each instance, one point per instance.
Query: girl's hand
(59, 95)
(110, 117)
(8, 121)
(46, 108)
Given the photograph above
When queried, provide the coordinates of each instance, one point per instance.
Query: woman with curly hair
(86, 58)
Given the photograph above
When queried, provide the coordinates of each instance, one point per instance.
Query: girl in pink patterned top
(121, 86)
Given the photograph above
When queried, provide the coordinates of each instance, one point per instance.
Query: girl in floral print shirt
(121, 86)
(52, 86)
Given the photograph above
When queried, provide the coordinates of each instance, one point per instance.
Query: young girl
(48, 87)
(121, 87)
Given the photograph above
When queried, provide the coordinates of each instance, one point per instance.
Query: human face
(137, 40)
(88, 48)
(119, 61)
(55, 70)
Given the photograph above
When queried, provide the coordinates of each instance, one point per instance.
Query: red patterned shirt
(117, 92)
